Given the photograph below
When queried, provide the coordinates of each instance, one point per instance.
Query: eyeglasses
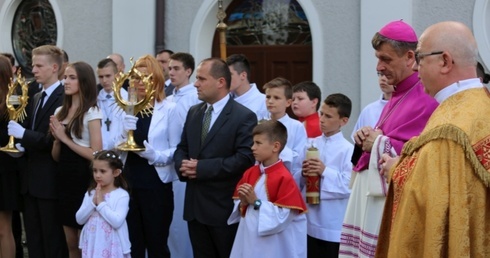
(136, 78)
(419, 56)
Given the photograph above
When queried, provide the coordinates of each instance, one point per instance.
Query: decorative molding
(481, 29)
(203, 28)
(7, 13)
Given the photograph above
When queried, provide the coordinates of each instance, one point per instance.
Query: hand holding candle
(312, 179)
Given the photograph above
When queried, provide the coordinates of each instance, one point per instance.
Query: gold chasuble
(438, 204)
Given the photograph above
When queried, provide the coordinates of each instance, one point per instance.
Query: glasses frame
(418, 55)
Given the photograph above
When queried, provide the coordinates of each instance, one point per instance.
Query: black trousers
(211, 241)
(149, 217)
(317, 248)
(44, 233)
(17, 232)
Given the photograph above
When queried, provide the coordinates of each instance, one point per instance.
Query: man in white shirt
(181, 67)
(113, 116)
(370, 114)
(242, 90)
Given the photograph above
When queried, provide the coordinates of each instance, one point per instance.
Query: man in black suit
(213, 154)
(43, 230)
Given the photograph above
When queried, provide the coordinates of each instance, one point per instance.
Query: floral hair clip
(109, 155)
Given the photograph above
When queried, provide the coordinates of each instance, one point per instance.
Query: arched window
(274, 35)
(267, 22)
(34, 25)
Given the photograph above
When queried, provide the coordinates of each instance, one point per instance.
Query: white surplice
(270, 231)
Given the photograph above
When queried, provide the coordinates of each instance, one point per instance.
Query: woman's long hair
(5, 76)
(152, 66)
(87, 91)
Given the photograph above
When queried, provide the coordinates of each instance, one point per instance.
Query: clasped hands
(57, 129)
(98, 195)
(366, 136)
(188, 168)
(246, 194)
(312, 167)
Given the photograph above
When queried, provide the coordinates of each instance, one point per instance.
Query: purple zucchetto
(399, 31)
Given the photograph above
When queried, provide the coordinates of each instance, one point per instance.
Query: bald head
(456, 38)
(119, 60)
(447, 54)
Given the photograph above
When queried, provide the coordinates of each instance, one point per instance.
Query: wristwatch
(257, 204)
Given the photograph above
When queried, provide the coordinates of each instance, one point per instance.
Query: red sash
(281, 188)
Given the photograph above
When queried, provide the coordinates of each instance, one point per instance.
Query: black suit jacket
(39, 174)
(222, 159)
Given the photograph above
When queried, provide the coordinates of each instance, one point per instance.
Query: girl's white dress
(105, 232)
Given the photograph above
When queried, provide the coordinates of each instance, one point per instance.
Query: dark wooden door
(293, 62)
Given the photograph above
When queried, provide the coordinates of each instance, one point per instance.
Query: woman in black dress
(76, 129)
(9, 178)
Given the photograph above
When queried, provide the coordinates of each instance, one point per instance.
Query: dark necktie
(38, 108)
(108, 96)
(205, 123)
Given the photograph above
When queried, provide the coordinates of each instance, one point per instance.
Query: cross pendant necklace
(108, 124)
(383, 119)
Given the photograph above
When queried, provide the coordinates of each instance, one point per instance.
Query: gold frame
(17, 114)
(142, 106)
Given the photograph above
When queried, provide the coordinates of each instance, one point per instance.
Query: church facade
(342, 57)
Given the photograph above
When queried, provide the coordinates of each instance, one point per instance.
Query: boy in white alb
(112, 114)
(268, 203)
(242, 90)
(279, 94)
(334, 168)
(181, 67)
(370, 114)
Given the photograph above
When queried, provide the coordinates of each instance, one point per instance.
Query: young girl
(76, 129)
(104, 210)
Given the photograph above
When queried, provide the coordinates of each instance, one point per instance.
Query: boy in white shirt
(268, 203)
(242, 90)
(334, 168)
(279, 94)
(181, 67)
(113, 116)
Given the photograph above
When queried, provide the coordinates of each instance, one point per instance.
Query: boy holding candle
(333, 167)
(268, 203)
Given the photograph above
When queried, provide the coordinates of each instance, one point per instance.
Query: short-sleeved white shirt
(92, 114)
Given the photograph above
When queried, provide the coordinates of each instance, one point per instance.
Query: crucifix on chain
(108, 124)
